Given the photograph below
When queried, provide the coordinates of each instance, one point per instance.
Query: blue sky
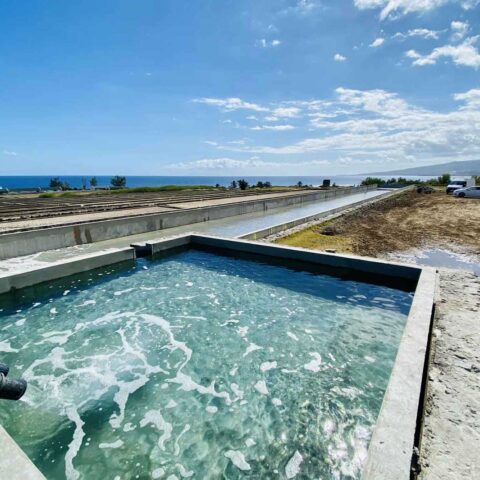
(237, 87)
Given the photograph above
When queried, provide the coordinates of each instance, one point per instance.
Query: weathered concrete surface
(14, 463)
(63, 268)
(450, 444)
(74, 219)
(391, 446)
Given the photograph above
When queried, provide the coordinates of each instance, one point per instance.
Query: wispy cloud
(230, 104)
(390, 8)
(465, 54)
(339, 58)
(244, 167)
(9, 153)
(419, 32)
(459, 29)
(381, 126)
(275, 128)
(264, 43)
(377, 42)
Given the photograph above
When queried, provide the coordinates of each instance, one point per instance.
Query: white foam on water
(74, 445)
(7, 348)
(266, 366)
(158, 473)
(261, 387)
(369, 359)
(66, 292)
(121, 292)
(155, 418)
(236, 390)
(292, 469)
(20, 322)
(211, 409)
(242, 331)
(87, 302)
(129, 427)
(116, 444)
(328, 427)
(251, 348)
(293, 336)
(238, 459)
(171, 404)
(276, 401)
(250, 442)
(314, 365)
(53, 311)
(233, 371)
(184, 473)
(176, 449)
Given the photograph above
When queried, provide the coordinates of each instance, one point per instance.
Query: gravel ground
(451, 435)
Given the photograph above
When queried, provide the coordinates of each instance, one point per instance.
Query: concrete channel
(391, 446)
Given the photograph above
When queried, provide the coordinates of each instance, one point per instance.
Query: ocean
(75, 181)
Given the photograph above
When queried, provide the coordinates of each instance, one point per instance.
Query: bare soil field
(395, 224)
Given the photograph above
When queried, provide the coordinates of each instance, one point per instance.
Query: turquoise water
(200, 366)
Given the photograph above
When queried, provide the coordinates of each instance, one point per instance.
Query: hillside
(471, 167)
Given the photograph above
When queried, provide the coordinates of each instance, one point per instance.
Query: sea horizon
(31, 182)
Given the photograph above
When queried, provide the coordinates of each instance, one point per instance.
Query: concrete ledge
(32, 241)
(391, 446)
(14, 463)
(344, 262)
(63, 268)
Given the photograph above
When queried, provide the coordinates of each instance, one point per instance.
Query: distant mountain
(470, 167)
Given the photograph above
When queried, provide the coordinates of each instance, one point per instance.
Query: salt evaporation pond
(202, 366)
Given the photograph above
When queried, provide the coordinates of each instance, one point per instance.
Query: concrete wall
(64, 268)
(33, 241)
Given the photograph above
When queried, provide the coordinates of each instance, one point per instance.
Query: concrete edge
(391, 446)
(352, 262)
(63, 268)
(266, 232)
(15, 464)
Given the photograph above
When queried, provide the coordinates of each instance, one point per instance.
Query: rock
(328, 230)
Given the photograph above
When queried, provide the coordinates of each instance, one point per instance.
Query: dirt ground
(395, 224)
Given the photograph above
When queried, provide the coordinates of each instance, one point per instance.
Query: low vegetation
(442, 180)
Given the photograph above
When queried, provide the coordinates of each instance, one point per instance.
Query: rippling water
(201, 366)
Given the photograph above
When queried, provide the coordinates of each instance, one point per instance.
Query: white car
(469, 192)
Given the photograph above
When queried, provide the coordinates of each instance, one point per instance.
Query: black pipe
(12, 389)
(4, 368)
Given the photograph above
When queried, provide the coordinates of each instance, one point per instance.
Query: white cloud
(9, 153)
(253, 163)
(339, 58)
(209, 142)
(381, 126)
(469, 4)
(419, 32)
(229, 104)
(459, 29)
(465, 54)
(377, 42)
(470, 98)
(264, 43)
(286, 112)
(278, 128)
(399, 7)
